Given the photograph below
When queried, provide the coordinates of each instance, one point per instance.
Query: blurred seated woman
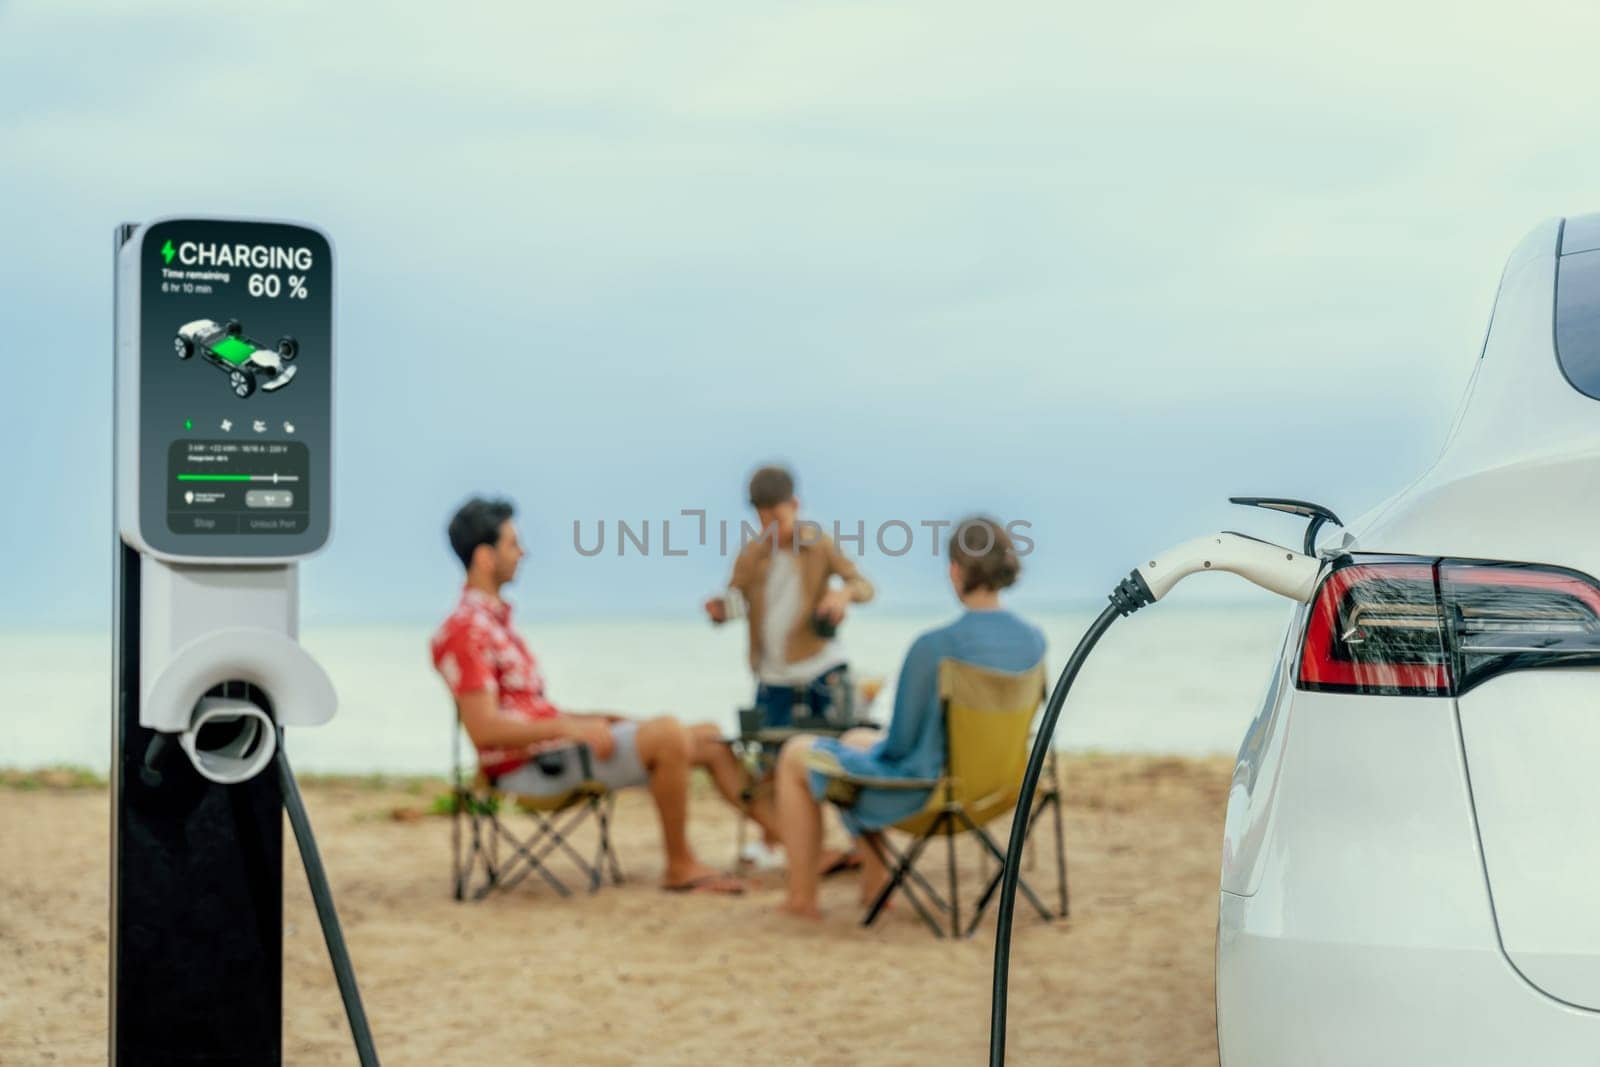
(983, 561)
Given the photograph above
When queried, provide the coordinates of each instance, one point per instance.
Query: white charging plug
(1273, 567)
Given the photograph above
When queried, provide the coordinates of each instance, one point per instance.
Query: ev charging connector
(223, 437)
(1272, 567)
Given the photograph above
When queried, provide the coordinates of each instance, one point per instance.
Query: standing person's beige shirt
(816, 562)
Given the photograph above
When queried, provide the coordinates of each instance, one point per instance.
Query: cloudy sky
(1094, 269)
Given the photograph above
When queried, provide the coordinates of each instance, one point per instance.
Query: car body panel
(1255, 774)
(1518, 477)
(1370, 937)
(1309, 1002)
(1531, 744)
(1371, 793)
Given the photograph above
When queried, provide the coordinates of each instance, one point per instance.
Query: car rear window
(1580, 233)
(1578, 320)
(233, 350)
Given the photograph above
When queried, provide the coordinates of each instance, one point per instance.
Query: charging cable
(343, 970)
(1270, 566)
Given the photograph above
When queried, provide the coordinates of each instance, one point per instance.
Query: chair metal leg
(551, 837)
(915, 878)
(559, 835)
(955, 898)
(1052, 795)
(994, 883)
(476, 854)
(602, 845)
(982, 907)
(551, 833)
(878, 846)
(492, 856)
(1061, 852)
(904, 871)
(458, 877)
(1022, 883)
(472, 850)
(597, 868)
(524, 861)
(606, 808)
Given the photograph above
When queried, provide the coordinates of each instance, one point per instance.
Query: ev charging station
(224, 359)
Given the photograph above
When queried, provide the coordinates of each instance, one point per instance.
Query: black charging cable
(1130, 595)
(322, 895)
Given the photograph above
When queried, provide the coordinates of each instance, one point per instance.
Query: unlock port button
(269, 498)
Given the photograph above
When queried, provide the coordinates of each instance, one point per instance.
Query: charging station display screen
(235, 335)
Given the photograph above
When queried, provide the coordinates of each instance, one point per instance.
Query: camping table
(758, 750)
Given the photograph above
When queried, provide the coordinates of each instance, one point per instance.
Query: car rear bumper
(1300, 1000)
(1359, 927)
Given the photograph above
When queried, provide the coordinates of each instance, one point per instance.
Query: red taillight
(1376, 628)
(1507, 617)
(1441, 627)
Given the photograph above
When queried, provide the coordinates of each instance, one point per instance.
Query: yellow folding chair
(988, 719)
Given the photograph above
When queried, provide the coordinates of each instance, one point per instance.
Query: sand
(633, 975)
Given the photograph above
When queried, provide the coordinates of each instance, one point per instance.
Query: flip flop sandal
(847, 862)
(722, 884)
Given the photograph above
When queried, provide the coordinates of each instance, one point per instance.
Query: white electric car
(1411, 864)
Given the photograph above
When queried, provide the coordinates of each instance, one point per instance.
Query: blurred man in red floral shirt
(500, 697)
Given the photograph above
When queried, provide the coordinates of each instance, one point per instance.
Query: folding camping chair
(988, 717)
(478, 834)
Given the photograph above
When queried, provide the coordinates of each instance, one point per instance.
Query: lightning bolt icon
(167, 252)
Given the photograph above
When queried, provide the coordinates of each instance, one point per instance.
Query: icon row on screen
(256, 425)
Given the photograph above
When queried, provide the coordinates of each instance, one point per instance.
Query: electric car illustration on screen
(247, 363)
(1410, 861)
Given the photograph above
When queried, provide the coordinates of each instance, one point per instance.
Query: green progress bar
(213, 477)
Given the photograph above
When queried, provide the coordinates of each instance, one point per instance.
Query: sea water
(1180, 679)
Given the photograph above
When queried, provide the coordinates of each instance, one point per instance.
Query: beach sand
(634, 975)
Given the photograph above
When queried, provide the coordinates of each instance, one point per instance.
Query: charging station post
(223, 432)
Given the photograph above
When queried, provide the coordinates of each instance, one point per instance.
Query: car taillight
(1376, 628)
(1507, 617)
(1442, 627)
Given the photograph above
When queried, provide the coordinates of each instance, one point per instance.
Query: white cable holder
(235, 629)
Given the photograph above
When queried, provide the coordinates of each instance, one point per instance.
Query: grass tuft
(60, 778)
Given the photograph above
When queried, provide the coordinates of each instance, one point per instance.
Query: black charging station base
(196, 893)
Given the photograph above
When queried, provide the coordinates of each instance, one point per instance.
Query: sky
(1092, 269)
